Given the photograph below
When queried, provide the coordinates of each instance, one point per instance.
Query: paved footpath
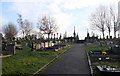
(74, 61)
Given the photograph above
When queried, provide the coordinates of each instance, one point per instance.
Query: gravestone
(33, 47)
(46, 44)
(10, 49)
(38, 47)
(116, 50)
(29, 44)
(50, 44)
(42, 45)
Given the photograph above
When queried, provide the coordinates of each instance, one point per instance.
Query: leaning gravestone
(10, 49)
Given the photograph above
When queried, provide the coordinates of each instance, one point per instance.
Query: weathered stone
(10, 49)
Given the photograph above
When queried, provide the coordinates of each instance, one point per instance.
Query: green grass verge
(89, 48)
(27, 62)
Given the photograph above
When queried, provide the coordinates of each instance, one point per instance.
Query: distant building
(92, 39)
(73, 38)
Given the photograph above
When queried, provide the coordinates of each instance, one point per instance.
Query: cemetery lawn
(27, 62)
(89, 48)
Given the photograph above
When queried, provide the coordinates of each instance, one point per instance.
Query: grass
(89, 48)
(27, 62)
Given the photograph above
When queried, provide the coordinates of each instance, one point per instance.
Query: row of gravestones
(41, 46)
(10, 48)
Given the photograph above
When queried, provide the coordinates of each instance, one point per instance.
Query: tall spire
(74, 32)
(77, 37)
(88, 33)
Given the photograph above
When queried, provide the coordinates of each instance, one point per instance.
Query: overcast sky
(68, 13)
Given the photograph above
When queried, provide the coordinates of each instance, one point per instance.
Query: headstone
(50, 44)
(38, 47)
(3, 46)
(46, 44)
(10, 49)
(116, 50)
(33, 46)
(59, 42)
(42, 45)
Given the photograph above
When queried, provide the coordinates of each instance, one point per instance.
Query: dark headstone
(10, 49)
(116, 50)
(33, 47)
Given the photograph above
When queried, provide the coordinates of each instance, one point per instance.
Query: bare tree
(114, 15)
(26, 26)
(97, 19)
(21, 23)
(108, 20)
(47, 25)
(10, 31)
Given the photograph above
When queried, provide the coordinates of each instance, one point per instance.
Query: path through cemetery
(74, 61)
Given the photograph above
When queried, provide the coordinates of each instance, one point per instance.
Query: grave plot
(9, 51)
(104, 56)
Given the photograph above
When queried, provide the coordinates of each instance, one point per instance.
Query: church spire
(74, 32)
(88, 33)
